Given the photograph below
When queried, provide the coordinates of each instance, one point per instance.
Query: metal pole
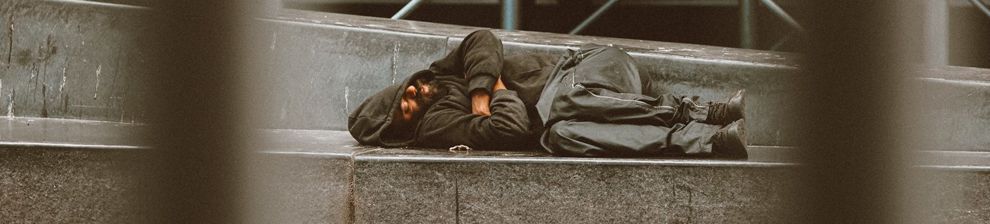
(510, 15)
(936, 31)
(593, 17)
(979, 4)
(747, 24)
(406, 10)
(776, 9)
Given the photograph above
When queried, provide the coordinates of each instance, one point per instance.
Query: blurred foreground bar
(852, 115)
(195, 171)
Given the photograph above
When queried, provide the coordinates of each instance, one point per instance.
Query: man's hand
(481, 99)
(498, 85)
(479, 103)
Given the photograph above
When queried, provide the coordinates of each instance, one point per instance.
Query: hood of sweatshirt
(370, 123)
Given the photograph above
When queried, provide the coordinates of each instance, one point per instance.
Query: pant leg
(594, 105)
(584, 138)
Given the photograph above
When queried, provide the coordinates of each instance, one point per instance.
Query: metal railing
(747, 18)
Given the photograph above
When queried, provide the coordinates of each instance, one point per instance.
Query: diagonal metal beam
(776, 9)
(406, 10)
(983, 7)
(593, 17)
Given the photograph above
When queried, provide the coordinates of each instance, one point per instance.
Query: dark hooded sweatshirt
(474, 65)
(372, 122)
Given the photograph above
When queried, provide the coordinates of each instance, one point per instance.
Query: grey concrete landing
(85, 171)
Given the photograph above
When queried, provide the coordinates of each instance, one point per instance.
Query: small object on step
(460, 148)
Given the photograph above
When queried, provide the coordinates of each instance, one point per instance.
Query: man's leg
(584, 138)
(598, 109)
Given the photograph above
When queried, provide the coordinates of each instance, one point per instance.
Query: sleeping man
(588, 102)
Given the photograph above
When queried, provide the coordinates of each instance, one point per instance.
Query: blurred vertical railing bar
(510, 15)
(849, 106)
(747, 24)
(937, 32)
(194, 173)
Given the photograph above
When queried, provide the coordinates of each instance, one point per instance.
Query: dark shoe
(730, 141)
(728, 111)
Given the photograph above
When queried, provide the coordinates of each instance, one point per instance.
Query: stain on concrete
(10, 107)
(395, 58)
(99, 69)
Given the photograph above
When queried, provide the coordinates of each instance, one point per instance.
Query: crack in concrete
(457, 202)
(10, 40)
(352, 170)
(395, 58)
(113, 84)
(98, 70)
(347, 102)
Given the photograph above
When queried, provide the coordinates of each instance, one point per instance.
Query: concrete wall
(71, 59)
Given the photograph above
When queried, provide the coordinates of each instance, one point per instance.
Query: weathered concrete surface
(84, 171)
(431, 186)
(71, 60)
(60, 185)
(481, 192)
(301, 176)
(70, 133)
(295, 188)
(972, 199)
(957, 112)
(79, 171)
(320, 74)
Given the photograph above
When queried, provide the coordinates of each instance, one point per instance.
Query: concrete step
(85, 171)
(91, 65)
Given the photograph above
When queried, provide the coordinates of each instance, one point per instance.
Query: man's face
(415, 99)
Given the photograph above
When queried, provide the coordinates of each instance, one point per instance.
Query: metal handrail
(593, 17)
(983, 7)
(406, 10)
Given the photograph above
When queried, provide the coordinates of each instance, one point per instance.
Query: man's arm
(479, 58)
(450, 122)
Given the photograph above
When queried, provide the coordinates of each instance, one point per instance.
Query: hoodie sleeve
(450, 123)
(478, 58)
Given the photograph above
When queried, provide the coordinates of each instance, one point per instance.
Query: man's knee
(561, 138)
(481, 35)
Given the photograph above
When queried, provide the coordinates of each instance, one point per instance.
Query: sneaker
(730, 141)
(729, 111)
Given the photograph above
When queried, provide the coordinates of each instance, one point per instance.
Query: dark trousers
(593, 105)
